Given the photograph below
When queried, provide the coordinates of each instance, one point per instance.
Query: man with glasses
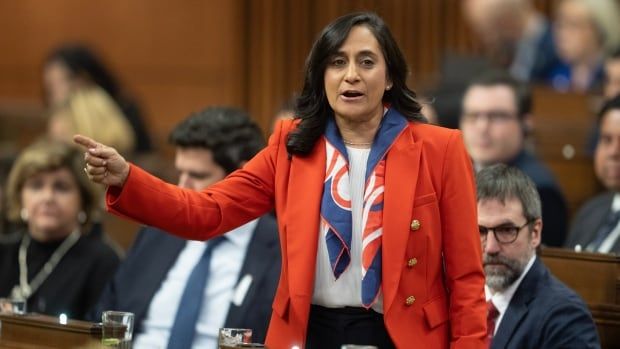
(528, 307)
(495, 117)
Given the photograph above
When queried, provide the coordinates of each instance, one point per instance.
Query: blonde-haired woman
(51, 263)
(586, 31)
(91, 111)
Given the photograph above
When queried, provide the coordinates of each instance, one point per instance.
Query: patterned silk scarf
(336, 218)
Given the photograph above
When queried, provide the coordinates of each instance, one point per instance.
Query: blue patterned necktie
(184, 326)
(610, 224)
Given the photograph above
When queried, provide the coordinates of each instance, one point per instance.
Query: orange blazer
(432, 281)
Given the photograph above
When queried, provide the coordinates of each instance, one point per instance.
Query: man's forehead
(503, 95)
(496, 208)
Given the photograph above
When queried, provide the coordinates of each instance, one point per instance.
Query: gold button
(415, 224)
(412, 262)
(410, 300)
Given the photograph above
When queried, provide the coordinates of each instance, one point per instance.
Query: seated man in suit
(496, 113)
(244, 268)
(596, 226)
(528, 307)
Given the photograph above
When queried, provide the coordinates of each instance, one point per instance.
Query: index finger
(86, 142)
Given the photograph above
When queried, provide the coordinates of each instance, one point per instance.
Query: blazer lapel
(305, 190)
(264, 243)
(518, 307)
(164, 249)
(596, 220)
(515, 312)
(401, 173)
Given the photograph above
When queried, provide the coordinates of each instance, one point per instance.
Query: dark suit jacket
(554, 210)
(155, 252)
(544, 313)
(588, 221)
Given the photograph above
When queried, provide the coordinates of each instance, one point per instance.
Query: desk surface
(46, 332)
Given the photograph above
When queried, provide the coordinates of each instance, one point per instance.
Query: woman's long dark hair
(312, 105)
(81, 61)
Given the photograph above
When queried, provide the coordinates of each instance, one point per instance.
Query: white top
(611, 239)
(226, 262)
(347, 289)
(501, 300)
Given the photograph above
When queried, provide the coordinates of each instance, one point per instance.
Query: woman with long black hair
(376, 209)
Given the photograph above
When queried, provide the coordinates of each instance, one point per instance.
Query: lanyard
(24, 290)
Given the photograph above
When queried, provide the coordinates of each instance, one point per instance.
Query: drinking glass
(232, 337)
(12, 306)
(117, 329)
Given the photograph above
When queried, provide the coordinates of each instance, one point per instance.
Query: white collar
(615, 203)
(241, 235)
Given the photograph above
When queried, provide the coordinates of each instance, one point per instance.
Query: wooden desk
(45, 332)
(596, 278)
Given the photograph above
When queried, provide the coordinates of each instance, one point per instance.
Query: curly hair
(229, 133)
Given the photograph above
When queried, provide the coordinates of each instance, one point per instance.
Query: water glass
(233, 337)
(12, 306)
(117, 329)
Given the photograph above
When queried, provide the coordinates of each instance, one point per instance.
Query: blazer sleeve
(577, 229)
(568, 325)
(242, 196)
(554, 216)
(461, 248)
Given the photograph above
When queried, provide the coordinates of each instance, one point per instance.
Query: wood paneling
(176, 57)
(281, 34)
(562, 124)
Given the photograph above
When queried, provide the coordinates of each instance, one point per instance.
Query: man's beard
(500, 277)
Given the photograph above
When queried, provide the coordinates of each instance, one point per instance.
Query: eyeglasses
(494, 116)
(503, 234)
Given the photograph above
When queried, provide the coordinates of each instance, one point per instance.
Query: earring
(81, 217)
(387, 88)
(23, 214)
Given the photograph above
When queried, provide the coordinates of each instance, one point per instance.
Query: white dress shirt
(347, 289)
(226, 262)
(611, 239)
(501, 300)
